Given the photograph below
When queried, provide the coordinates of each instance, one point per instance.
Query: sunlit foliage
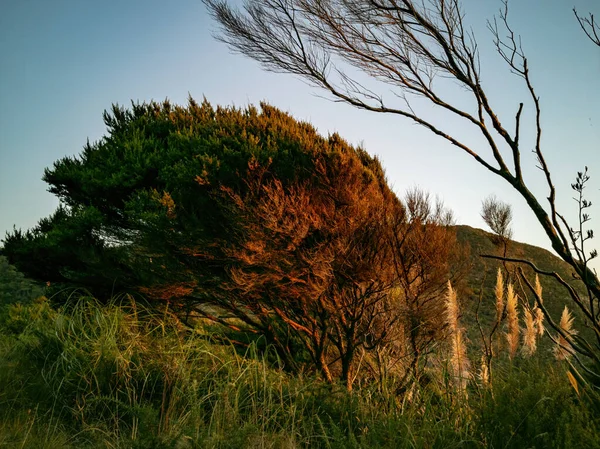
(253, 220)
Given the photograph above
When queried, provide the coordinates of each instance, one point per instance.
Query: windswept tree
(254, 221)
(153, 185)
(358, 49)
(346, 268)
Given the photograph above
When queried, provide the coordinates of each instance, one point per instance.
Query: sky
(62, 63)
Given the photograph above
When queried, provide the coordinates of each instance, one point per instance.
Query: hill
(481, 278)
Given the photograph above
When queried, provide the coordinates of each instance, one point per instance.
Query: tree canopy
(156, 176)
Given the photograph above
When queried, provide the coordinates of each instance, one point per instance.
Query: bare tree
(425, 255)
(409, 45)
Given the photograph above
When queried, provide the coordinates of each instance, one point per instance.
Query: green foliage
(145, 205)
(64, 249)
(14, 286)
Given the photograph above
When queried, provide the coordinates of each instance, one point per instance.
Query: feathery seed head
(529, 334)
(484, 374)
(564, 350)
(539, 320)
(538, 288)
(452, 311)
(566, 321)
(512, 335)
(499, 291)
(459, 362)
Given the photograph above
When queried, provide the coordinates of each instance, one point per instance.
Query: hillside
(483, 276)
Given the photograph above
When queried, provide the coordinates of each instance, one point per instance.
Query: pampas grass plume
(530, 334)
(499, 293)
(563, 350)
(538, 315)
(459, 361)
(512, 335)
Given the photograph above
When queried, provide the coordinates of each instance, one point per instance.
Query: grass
(123, 376)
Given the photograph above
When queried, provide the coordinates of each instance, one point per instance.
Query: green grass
(123, 376)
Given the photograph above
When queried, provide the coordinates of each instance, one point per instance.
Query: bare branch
(574, 296)
(589, 27)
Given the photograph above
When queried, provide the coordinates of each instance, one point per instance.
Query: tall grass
(121, 375)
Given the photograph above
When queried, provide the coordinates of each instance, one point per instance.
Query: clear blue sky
(63, 62)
